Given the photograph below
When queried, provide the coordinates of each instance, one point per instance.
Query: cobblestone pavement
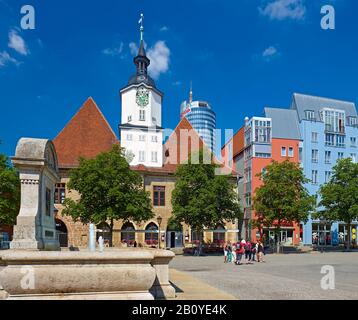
(282, 277)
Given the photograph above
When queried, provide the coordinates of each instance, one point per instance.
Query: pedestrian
(247, 248)
(260, 251)
(239, 251)
(233, 252)
(229, 252)
(253, 252)
(225, 252)
(135, 244)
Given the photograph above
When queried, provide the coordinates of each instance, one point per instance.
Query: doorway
(62, 233)
(285, 237)
(174, 234)
(174, 239)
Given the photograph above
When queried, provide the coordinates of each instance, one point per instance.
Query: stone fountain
(35, 268)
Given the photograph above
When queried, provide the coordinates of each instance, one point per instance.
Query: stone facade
(78, 232)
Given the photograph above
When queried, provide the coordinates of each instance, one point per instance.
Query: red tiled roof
(86, 135)
(175, 152)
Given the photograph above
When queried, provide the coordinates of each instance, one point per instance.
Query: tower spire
(141, 26)
(141, 61)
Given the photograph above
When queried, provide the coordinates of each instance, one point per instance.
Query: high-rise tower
(202, 117)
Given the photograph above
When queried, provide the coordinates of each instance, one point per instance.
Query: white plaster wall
(148, 146)
(130, 108)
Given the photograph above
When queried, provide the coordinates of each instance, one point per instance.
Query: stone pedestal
(36, 162)
(162, 289)
(3, 294)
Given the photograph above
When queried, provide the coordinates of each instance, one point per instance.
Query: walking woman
(229, 252)
(233, 252)
(225, 252)
(239, 251)
(260, 252)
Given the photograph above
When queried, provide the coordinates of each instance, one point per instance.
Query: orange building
(276, 136)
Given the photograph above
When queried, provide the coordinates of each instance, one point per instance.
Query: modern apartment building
(275, 136)
(314, 131)
(329, 130)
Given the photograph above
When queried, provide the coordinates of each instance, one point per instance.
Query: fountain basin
(119, 274)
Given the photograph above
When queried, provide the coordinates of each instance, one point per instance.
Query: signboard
(185, 112)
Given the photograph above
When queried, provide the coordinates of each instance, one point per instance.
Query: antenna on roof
(191, 92)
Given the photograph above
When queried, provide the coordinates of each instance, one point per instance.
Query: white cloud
(164, 28)
(17, 43)
(133, 48)
(159, 56)
(269, 52)
(284, 9)
(114, 51)
(5, 58)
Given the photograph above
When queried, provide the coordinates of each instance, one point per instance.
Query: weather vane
(141, 26)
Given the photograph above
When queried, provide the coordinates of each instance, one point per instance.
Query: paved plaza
(283, 277)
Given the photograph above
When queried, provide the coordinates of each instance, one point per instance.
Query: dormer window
(141, 115)
(129, 118)
(352, 121)
(334, 121)
(310, 116)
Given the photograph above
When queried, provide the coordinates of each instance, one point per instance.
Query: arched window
(103, 230)
(128, 233)
(218, 236)
(151, 234)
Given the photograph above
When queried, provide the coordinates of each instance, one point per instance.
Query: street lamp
(159, 219)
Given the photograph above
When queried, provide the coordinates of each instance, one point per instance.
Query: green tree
(282, 197)
(339, 196)
(202, 199)
(109, 190)
(9, 192)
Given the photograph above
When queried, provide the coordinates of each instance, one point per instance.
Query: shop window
(151, 234)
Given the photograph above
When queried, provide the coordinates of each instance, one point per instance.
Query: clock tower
(141, 133)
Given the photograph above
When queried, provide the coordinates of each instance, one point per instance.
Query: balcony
(330, 129)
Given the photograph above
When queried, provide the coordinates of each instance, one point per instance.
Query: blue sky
(241, 55)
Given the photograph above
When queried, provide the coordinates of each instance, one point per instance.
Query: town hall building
(141, 135)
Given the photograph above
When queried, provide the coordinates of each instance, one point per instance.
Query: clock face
(142, 97)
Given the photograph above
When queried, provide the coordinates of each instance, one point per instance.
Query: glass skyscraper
(203, 119)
